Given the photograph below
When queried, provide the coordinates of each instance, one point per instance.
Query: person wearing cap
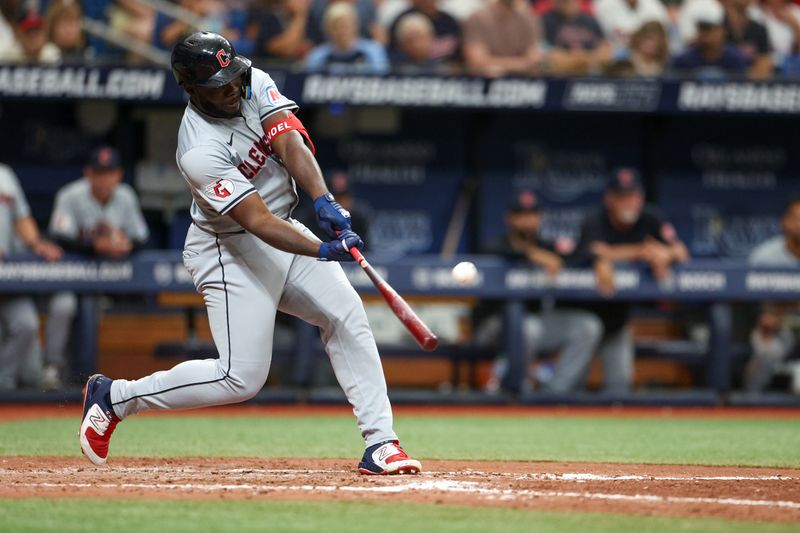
(624, 231)
(20, 351)
(97, 215)
(573, 333)
(709, 53)
(31, 44)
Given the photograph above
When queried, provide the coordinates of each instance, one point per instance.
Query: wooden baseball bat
(421, 332)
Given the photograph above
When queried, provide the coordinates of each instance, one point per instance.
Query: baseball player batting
(243, 153)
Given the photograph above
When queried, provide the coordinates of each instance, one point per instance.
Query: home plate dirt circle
(673, 490)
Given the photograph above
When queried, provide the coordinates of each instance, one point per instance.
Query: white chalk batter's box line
(439, 486)
(240, 473)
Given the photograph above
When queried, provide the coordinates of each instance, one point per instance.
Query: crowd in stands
(625, 38)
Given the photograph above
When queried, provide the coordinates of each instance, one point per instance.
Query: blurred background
(621, 172)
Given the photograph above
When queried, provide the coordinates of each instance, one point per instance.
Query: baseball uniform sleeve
(134, 225)
(214, 178)
(63, 223)
(21, 208)
(267, 96)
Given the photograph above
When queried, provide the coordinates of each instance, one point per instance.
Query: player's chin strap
(292, 123)
(247, 89)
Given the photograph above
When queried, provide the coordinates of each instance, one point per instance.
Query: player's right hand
(331, 216)
(339, 248)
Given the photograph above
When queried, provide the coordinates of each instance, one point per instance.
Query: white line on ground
(285, 472)
(430, 485)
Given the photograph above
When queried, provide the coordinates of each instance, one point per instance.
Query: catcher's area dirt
(733, 493)
(771, 494)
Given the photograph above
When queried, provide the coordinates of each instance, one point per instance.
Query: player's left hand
(48, 250)
(331, 216)
(339, 248)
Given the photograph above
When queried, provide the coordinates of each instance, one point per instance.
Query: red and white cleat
(99, 420)
(387, 458)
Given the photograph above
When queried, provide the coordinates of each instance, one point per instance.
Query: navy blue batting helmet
(209, 60)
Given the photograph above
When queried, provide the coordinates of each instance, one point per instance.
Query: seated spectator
(368, 27)
(65, 22)
(710, 55)
(346, 52)
(216, 17)
(771, 340)
(415, 42)
(20, 351)
(31, 44)
(749, 37)
(577, 45)
(96, 215)
(9, 12)
(781, 18)
(624, 231)
(620, 18)
(278, 29)
(447, 33)
(501, 39)
(571, 332)
(649, 52)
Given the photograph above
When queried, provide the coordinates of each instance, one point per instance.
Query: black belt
(214, 233)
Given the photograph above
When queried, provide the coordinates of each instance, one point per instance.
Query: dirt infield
(770, 494)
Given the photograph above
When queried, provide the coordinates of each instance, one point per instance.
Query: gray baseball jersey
(77, 214)
(225, 160)
(13, 207)
(245, 281)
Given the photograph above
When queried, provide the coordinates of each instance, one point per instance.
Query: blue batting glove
(339, 248)
(331, 216)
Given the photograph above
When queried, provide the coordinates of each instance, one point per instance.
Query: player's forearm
(620, 253)
(300, 163)
(254, 217)
(680, 254)
(28, 231)
(282, 235)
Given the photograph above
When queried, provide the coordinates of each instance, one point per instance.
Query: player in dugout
(546, 328)
(243, 153)
(95, 215)
(20, 352)
(625, 230)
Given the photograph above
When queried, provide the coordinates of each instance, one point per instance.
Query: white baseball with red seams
(465, 273)
(245, 281)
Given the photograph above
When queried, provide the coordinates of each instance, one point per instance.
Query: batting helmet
(209, 60)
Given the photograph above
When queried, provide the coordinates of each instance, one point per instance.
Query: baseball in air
(465, 273)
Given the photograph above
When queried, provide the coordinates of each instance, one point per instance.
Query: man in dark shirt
(624, 231)
(572, 332)
(710, 55)
(447, 33)
(749, 37)
(576, 40)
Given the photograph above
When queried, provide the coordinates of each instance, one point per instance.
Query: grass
(710, 441)
(353, 517)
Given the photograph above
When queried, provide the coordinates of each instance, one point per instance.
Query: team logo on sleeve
(274, 95)
(223, 57)
(221, 189)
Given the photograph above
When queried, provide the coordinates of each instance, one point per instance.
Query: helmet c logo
(224, 58)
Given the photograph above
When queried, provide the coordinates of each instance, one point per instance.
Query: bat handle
(356, 253)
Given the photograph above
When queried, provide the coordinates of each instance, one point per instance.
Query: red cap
(31, 20)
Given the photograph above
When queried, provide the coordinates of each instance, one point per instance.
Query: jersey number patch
(221, 189)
